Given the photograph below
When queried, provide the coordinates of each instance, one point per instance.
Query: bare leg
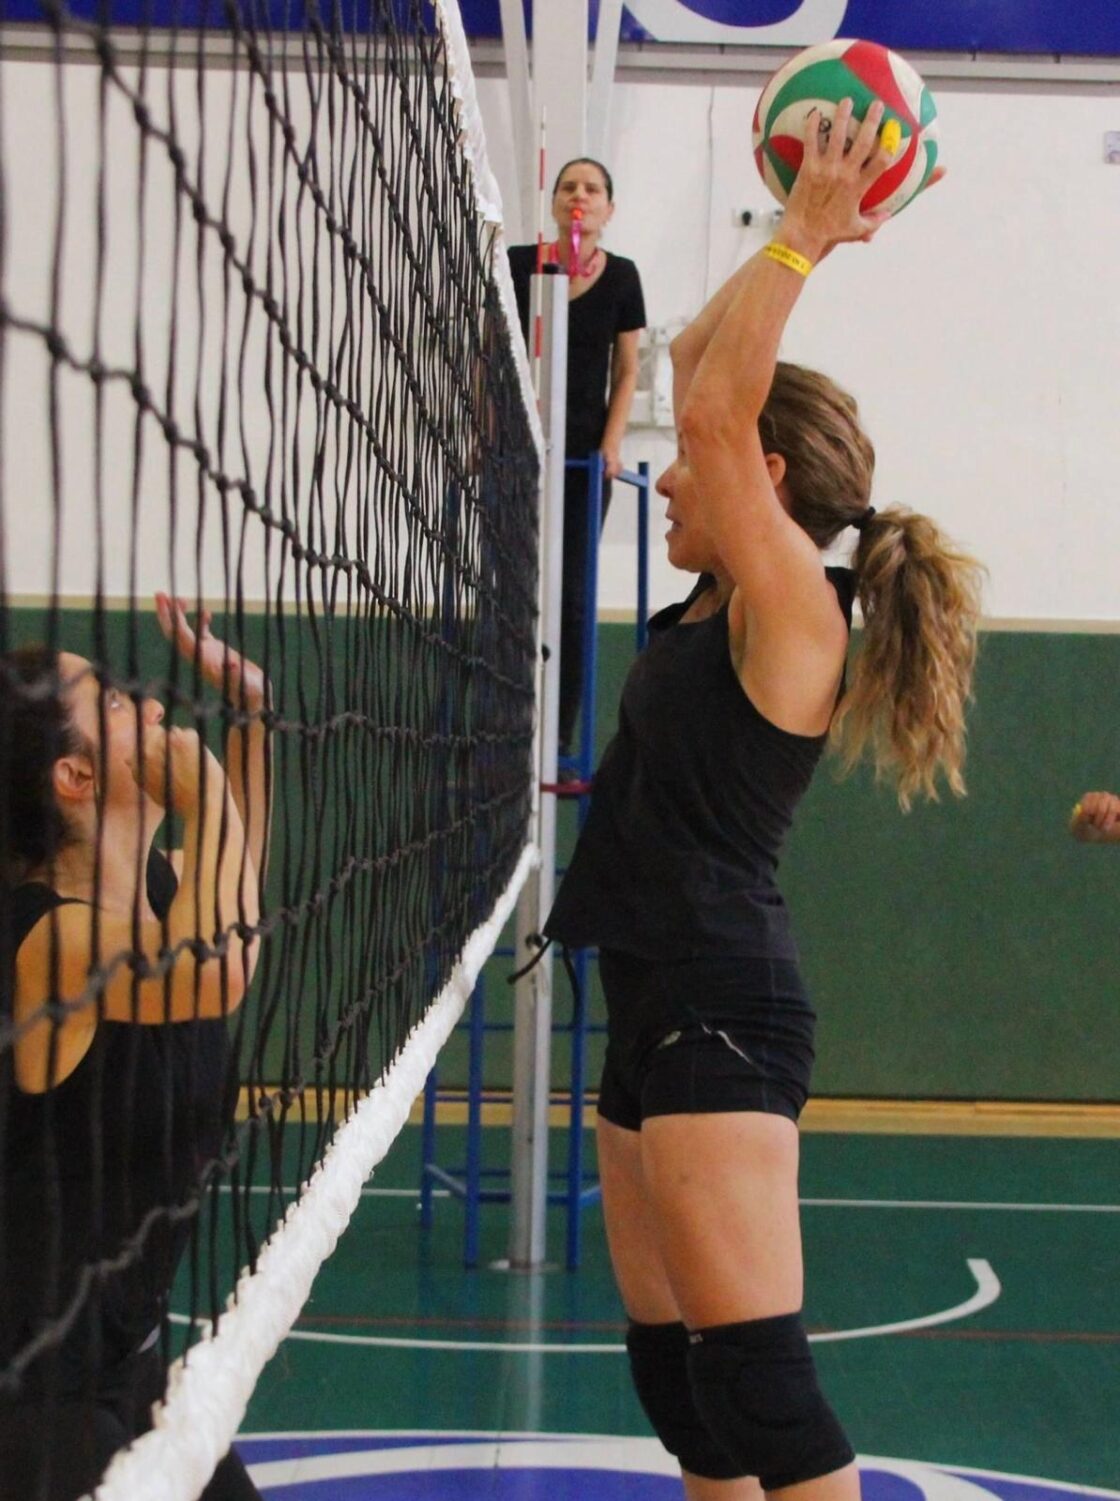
(646, 1294)
(721, 1207)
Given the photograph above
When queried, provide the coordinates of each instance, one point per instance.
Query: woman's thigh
(719, 1195)
(632, 1231)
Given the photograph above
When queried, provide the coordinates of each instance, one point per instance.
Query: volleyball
(818, 78)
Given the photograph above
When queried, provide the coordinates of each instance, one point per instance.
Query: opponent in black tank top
(127, 1132)
(692, 802)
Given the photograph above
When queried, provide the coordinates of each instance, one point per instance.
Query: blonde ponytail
(912, 678)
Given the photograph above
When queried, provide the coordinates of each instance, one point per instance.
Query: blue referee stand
(473, 1181)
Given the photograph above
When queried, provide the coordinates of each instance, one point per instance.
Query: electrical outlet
(756, 218)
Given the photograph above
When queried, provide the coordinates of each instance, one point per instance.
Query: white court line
(444, 1193)
(987, 1291)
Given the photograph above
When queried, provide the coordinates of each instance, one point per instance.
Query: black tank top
(83, 1164)
(691, 805)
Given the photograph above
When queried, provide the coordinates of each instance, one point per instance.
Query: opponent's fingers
(184, 609)
(184, 614)
(176, 626)
(167, 614)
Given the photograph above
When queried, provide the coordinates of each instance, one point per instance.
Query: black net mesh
(268, 571)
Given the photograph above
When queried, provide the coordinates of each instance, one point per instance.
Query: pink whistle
(576, 232)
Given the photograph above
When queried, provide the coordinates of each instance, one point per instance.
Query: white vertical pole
(521, 113)
(602, 77)
(532, 1027)
(560, 75)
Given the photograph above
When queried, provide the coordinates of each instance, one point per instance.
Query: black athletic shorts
(703, 1035)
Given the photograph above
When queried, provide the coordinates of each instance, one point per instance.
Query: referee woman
(112, 1110)
(723, 720)
(606, 313)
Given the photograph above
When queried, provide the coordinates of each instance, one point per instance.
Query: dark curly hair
(36, 728)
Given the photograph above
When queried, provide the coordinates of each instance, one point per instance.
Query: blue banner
(1046, 26)
(1091, 27)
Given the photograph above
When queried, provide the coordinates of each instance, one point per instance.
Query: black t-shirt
(692, 802)
(613, 305)
(127, 1132)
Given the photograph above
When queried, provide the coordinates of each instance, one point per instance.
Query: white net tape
(208, 1391)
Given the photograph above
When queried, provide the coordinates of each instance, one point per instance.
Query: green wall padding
(965, 950)
(972, 949)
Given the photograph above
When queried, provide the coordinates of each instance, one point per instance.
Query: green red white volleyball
(818, 78)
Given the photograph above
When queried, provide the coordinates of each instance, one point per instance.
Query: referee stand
(473, 1181)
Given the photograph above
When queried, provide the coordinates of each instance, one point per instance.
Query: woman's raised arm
(771, 559)
(203, 961)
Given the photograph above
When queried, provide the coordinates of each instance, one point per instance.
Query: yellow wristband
(787, 257)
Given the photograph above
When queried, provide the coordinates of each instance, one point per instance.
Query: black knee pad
(659, 1355)
(755, 1387)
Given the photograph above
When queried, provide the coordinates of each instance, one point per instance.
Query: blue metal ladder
(473, 1182)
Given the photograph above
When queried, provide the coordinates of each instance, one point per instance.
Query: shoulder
(626, 290)
(71, 919)
(25, 906)
(55, 962)
(624, 271)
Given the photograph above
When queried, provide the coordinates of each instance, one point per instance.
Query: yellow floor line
(887, 1117)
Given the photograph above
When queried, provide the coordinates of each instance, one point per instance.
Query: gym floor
(963, 1290)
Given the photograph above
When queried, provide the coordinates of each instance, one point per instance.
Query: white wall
(214, 364)
(980, 333)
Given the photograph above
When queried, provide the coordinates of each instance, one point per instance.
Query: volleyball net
(269, 469)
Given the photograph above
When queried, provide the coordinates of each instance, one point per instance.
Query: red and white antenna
(538, 327)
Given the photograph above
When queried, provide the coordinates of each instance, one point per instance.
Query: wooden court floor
(963, 1290)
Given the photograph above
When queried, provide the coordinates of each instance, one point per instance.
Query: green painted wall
(968, 949)
(972, 948)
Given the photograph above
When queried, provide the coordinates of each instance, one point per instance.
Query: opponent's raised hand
(221, 666)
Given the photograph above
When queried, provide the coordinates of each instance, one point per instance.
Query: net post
(516, 50)
(532, 1029)
(602, 76)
